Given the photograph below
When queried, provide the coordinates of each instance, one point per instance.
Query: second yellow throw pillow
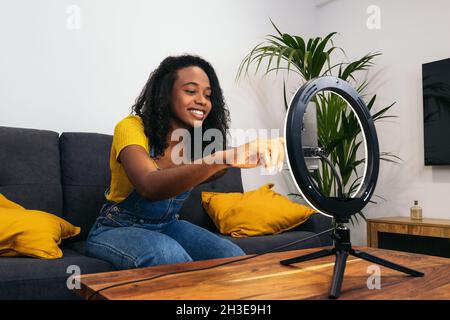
(254, 213)
(6, 203)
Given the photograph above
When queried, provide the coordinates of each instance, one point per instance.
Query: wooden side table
(432, 234)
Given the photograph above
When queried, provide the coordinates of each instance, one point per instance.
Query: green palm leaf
(338, 130)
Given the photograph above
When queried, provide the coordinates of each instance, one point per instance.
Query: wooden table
(264, 278)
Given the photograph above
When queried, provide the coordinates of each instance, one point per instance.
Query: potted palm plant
(338, 131)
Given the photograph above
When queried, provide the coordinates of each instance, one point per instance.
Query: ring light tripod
(340, 208)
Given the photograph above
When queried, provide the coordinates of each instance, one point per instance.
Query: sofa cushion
(192, 209)
(85, 177)
(30, 169)
(318, 223)
(30, 278)
(259, 244)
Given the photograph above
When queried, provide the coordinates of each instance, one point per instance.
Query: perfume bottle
(416, 211)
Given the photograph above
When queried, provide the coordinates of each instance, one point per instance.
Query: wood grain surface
(264, 278)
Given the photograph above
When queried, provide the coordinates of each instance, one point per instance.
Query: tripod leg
(338, 274)
(310, 256)
(386, 263)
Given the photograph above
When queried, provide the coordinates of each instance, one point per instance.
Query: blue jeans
(139, 233)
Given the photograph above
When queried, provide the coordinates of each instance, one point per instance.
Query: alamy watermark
(73, 21)
(201, 147)
(374, 20)
(73, 281)
(374, 280)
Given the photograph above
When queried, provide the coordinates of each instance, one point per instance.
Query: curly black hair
(154, 103)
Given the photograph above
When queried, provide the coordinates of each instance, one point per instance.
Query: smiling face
(191, 98)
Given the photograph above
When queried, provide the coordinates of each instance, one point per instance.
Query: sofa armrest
(318, 223)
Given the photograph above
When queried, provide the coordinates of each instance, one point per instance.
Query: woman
(138, 226)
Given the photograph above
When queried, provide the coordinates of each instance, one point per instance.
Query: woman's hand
(267, 152)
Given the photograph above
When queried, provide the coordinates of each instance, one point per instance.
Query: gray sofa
(67, 175)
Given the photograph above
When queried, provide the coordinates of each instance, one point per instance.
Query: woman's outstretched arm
(156, 184)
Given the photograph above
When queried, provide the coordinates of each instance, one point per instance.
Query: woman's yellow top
(129, 131)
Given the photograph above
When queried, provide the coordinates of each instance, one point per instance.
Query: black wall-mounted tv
(436, 112)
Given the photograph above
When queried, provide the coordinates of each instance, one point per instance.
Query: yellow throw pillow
(254, 213)
(6, 203)
(31, 232)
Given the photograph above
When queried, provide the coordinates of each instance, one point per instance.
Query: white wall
(57, 78)
(87, 79)
(412, 33)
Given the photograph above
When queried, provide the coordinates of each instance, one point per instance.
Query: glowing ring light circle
(339, 208)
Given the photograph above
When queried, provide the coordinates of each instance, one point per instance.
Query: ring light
(340, 208)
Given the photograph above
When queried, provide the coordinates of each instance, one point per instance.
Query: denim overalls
(138, 233)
